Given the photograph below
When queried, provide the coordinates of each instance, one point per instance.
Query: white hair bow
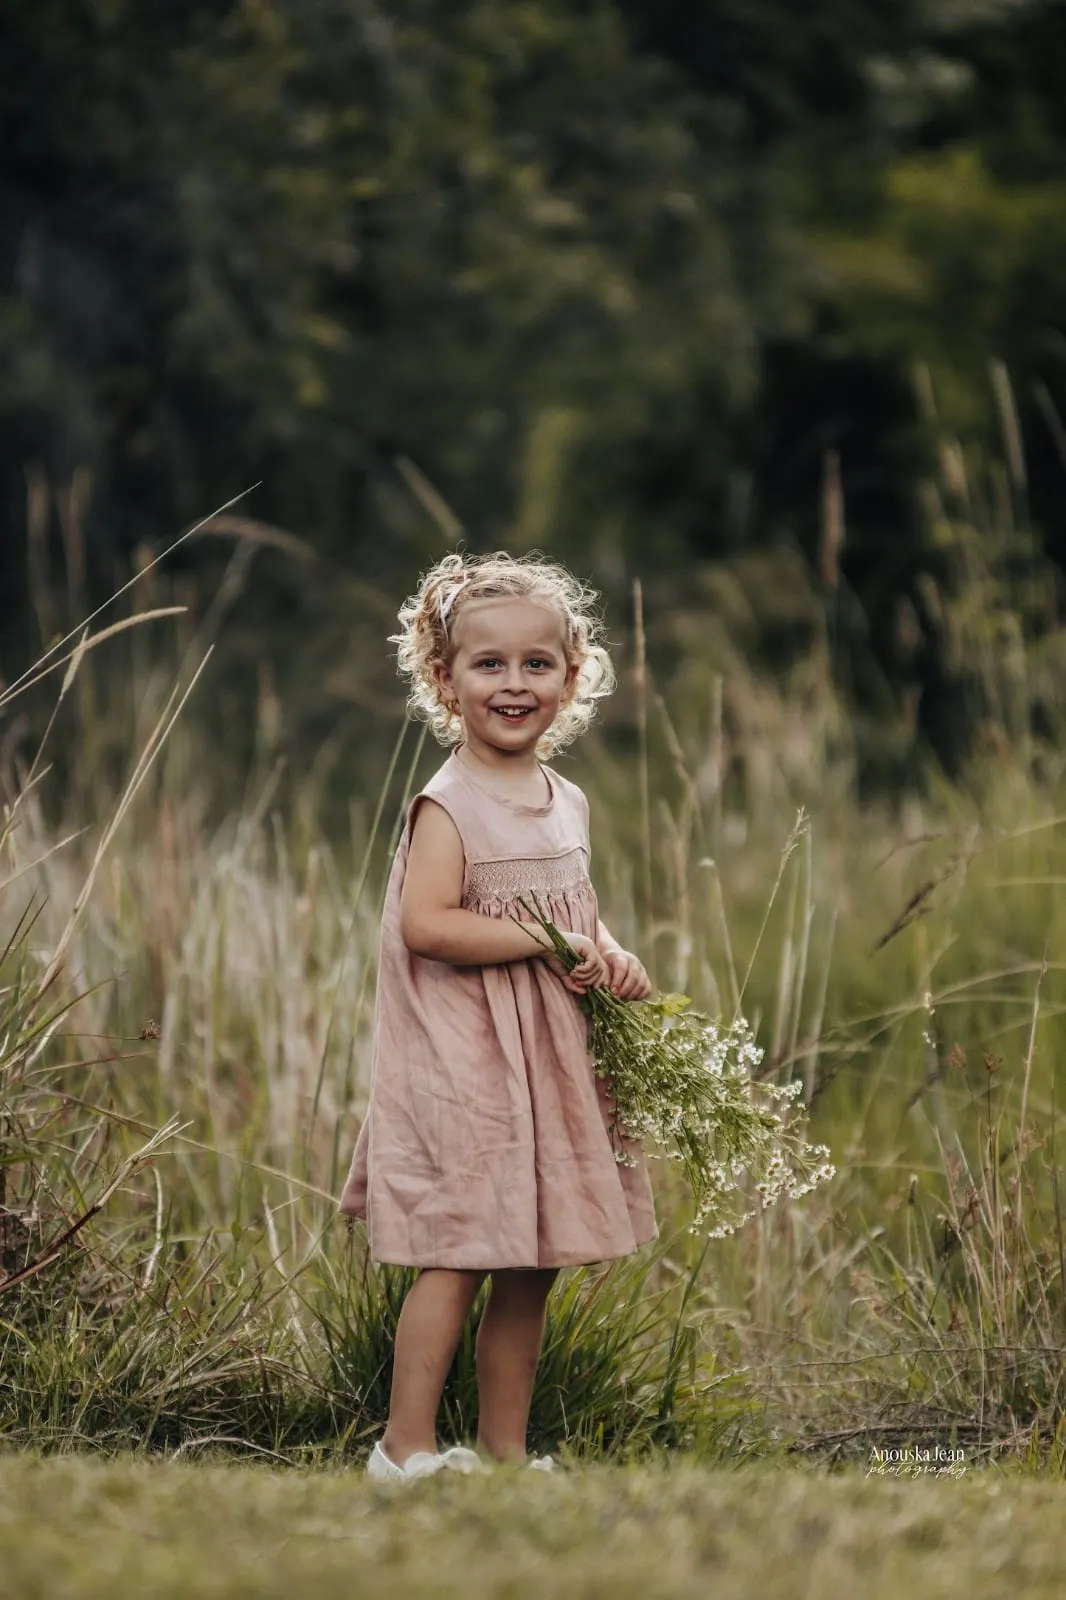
(445, 605)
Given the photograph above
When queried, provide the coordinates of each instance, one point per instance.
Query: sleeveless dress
(486, 1141)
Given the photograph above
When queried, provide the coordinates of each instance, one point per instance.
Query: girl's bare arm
(432, 921)
(605, 939)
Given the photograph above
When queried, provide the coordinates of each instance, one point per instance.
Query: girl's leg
(508, 1350)
(427, 1333)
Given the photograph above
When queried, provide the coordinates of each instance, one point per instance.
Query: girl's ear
(570, 685)
(442, 676)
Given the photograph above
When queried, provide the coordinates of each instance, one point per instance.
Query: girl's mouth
(513, 713)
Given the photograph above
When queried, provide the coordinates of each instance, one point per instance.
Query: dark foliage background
(642, 285)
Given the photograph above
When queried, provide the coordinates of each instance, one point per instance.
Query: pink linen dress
(486, 1142)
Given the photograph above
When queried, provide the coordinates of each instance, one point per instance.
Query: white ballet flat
(460, 1459)
(421, 1465)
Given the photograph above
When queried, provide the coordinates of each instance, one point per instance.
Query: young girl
(485, 1149)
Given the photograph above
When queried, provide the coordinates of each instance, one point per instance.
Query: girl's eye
(494, 661)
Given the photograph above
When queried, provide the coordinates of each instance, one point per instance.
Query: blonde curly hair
(427, 616)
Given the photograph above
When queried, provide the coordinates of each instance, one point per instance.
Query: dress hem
(518, 1266)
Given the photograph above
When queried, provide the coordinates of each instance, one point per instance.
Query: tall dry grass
(164, 970)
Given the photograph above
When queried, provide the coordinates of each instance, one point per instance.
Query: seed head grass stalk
(684, 1082)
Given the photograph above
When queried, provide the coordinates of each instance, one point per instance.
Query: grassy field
(185, 1008)
(86, 1530)
(908, 969)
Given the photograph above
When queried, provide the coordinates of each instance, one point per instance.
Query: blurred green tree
(620, 280)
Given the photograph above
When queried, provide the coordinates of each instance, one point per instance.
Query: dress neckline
(513, 805)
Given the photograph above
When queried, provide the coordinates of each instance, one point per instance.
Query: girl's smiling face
(508, 672)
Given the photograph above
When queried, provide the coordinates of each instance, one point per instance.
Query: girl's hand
(591, 971)
(626, 977)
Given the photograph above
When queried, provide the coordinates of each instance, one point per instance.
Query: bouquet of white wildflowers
(680, 1080)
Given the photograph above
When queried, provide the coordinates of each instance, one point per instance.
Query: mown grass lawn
(86, 1528)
